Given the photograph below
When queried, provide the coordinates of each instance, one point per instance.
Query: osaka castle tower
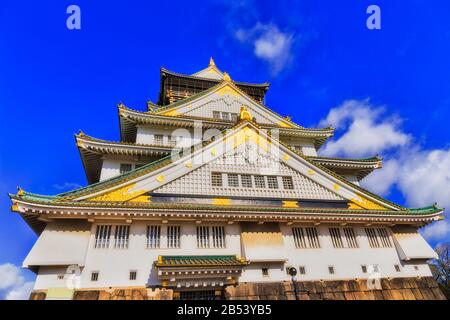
(211, 194)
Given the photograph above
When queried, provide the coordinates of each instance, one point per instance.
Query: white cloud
(269, 44)
(422, 176)
(367, 132)
(12, 284)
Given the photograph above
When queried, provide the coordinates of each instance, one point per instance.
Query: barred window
(336, 238)
(153, 237)
(173, 236)
(260, 182)
(125, 167)
(202, 237)
(102, 236)
(133, 275)
(216, 114)
(233, 180)
(159, 139)
(272, 182)
(288, 183)
(246, 181)
(306, 238)
(378, 238)
(226, 116)
(218, 237)
(234, 116)
(301, 270)
(94, 275)
(350, 237)
(330, 269)
(299, 149)
(121, 237)
(397, 268)
(364, 269)
(216, 179)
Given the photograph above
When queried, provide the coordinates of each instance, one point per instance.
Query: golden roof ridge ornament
(245, 114)
(226, 77)
(211, 62)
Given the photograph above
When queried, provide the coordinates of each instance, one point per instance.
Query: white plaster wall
(352, 179)
(110, 168)
(308, 147)
(146, 135)
(114, 265)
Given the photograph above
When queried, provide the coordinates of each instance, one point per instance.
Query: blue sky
(317, 55)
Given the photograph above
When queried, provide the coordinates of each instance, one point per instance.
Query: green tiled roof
(200, 261)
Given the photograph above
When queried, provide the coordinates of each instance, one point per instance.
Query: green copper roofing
(200, 261)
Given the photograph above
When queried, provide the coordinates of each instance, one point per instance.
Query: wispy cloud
(421, 175)
(12, 284)
(270, 44)
(66, 186)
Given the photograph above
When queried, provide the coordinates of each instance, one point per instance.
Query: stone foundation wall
(385, 289)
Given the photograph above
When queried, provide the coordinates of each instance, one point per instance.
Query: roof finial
(245, 114)
(226, 77)
(211, 62)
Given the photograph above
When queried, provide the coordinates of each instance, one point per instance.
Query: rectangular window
(378, 238)
(350, 238)
(133, 275)
(299, 149)
(202, 237)
(330, 269)
(121, 237)
(288, 183)
(216, 179)
(372, 237)
(272, 182)
(364, 269)
(226, 116)
(306, 238)
(102, 236)
(336, 238)
(246, 181)
(173, 236)
(61, 276)
(218, 237)
(260, 182)
(265, 272)
(153, 237)
(233, 180)
(234, 116)
(94, 276)
(384, 237)
(301, 270)
(216, 114)
(397, 268)
(159, 139)
(125, 167)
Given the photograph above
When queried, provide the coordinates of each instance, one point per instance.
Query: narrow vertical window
(301, 270)
(133, 275)
(336, 238)
(288, 183)
(216, 179)
(173, 236)
(94, 275)
(202, 237)
(330, 269)
(121, 236)
(397, 268)
(372, 237)
(153, 237)
(102, 236)
(265, 272)
(159, 139)
(350, 238)
(364, 269)
(384, 237)
(218, 237)
(305, 238)
(313, 237)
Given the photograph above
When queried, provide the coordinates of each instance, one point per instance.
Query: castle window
(94, 276)
(218, 237)
(133, 275)
(350, 237)
(125, 167)
(61, 276)
(216, 115)
(364, 269)
(102, 236)
(272, 182)
(288, 183)
(173, 236)
(234, 116)
(306, 238)
(397, 268)
(202, 237)
(246, 181)
(159, 139)
(378, 238)
(121, 237)
(216, 179)
(330, 269)
(336, 238)
(153, 237)
(301, 270)
(260, 182)
(265, 272)
(233, 180)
